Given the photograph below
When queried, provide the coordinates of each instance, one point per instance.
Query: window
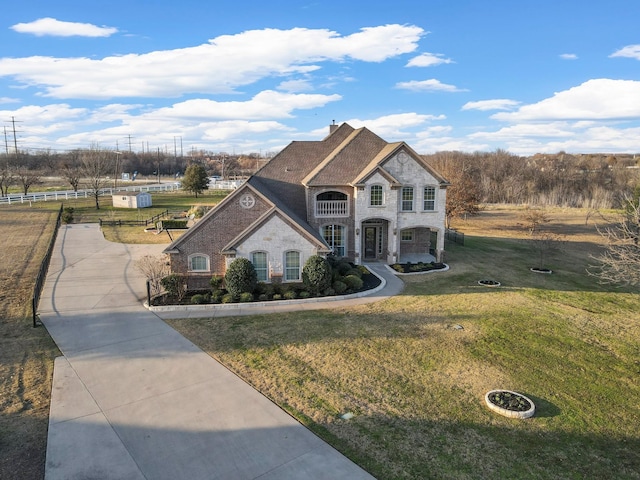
(407, 199)
(335, 238)
(291, 266)
(429, 198)
(406, 236)
(375, 195)
(259, 260)
(198, 263)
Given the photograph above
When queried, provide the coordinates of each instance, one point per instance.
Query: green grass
(416, 385)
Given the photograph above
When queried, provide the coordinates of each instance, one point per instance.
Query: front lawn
(415, 381)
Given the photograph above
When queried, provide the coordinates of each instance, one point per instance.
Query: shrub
(246, 297)
(67, 215)
(263, 297)
(364, 270)
(277, 296)
(304, 294)
(290, 294)
(201, 298)
(316, 274)
(329, 292)
(354, 271)
(339, 287)
(398, 268)
(343, 267)
(353, 282)
(216, 296)
(216, 282)
(266, 289)
(228, 298)
(175, 285)
(240, 277)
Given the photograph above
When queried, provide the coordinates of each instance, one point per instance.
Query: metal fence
(42, 273)
(453, 236)
(142, 223)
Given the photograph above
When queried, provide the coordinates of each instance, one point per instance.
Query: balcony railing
(332, 208)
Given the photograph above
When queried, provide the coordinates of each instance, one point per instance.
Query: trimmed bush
(175, 285)
(316, 274)
(246, 297)
(343, 267)
(353, 282)
(216, 283)
(290, 295)
(304, 294)
(240, 277)
(201, 298)
(228, 298)
(354, 271)
(339, 286)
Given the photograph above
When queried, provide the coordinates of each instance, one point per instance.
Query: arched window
(334, 235)
(291, 266)
(332, 204)
(198, 262)
(261, 265)
(376, 197)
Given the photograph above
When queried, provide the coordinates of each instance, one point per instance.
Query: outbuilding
(131, 199)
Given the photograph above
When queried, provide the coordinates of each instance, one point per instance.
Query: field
(412, 379)
(415, 382)
(26, 353)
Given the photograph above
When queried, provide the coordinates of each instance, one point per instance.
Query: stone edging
(272, 303)
(395, 272)
(509, 413)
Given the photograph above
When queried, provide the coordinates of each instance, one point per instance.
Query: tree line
(565, 180)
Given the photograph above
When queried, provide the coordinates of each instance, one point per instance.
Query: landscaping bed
(418, 267)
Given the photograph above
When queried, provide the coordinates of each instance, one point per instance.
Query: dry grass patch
(26, 353)
(415, 384)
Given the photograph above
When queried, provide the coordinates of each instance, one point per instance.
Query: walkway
(133, 399)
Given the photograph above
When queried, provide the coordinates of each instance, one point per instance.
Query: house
(351, 194)
(131, 199)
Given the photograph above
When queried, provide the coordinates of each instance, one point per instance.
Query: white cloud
(58, 28)
(219, 66)
(597, 99)
(266, 104)
(630, 51)
(294, 86)
(9, 100)
(431, 85)
(496, 104)
(395, 127)
(568, 56)
(428, 60)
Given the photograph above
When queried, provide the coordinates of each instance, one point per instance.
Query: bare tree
(96, 164)
(620, 262)
(6, 179)
(533, 218)
(27, 178)
(154, 269)
(71, 169)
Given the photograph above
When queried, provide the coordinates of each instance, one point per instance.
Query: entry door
(370, 243)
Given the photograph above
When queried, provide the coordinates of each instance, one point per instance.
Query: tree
(545, 244)
(195, 179)
(241, 277)
(95, 166)
(154, 269)
(620, 262)
(533, 218)
(316, 274)
(71, 169)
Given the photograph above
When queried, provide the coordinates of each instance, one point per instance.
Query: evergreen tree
(195, 179)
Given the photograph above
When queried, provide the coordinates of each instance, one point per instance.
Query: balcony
(332, 208)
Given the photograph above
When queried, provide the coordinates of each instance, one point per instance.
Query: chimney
(333, 127)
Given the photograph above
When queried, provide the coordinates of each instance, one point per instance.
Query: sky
(539, 76)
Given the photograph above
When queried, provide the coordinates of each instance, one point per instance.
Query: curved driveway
(133, 399)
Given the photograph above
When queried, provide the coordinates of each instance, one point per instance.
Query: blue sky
(251, 76)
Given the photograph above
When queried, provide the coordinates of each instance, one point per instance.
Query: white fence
(70, 194)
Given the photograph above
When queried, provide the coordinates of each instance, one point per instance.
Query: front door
(370, 243)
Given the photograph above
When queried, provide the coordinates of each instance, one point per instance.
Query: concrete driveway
(133, 399)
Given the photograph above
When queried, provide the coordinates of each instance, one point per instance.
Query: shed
(131, 199)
